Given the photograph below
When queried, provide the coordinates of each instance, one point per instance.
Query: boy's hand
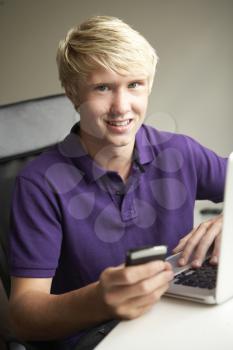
(198, 242)
(129, 292)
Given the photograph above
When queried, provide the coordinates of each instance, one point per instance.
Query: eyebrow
(95, 84)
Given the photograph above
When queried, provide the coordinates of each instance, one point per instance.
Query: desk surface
(175, 324)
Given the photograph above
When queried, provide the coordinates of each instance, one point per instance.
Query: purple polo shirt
(71, 219)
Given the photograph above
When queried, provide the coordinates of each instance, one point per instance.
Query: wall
(193, 38)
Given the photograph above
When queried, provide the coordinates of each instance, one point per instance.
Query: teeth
(123, 123)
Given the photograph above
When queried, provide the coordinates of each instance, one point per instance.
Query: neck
(118, 163)
(110, 157)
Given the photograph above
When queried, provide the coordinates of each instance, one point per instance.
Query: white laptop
(186, 283)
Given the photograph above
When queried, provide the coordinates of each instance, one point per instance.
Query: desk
(175, 324)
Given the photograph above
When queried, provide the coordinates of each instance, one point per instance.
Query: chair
(26, 129)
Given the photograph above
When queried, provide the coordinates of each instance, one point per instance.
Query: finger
(139, 305)
(122, 294)
(168, 266)
(152, 298)
(205, 243)
(142, 310)
(132, 274)
(180, 246)
(218, 218)
(184, 240)
(193, 241)
(216, 251)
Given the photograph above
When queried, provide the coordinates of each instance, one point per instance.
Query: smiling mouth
(119, 123)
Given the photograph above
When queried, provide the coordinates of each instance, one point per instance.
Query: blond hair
(103, 41)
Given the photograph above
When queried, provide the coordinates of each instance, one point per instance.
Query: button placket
(128, 210)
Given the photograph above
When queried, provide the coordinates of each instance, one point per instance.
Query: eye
(134, 85)
(102, 87)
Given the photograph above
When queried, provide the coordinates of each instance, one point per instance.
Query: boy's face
(112, 108)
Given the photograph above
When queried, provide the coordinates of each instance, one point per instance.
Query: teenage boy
(113, 184)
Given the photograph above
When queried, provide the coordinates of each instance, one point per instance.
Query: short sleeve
(35, 231)
(210, 171)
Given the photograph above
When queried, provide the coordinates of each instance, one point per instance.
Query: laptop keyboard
(203, 277)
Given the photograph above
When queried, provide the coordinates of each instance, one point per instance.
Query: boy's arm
(122, 292)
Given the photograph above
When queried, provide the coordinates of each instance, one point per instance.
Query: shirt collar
(143, 149)
(72, 147)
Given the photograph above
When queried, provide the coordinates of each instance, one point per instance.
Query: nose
(120, 104)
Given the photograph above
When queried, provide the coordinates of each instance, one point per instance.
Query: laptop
(209, 284)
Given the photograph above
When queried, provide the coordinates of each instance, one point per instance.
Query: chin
(122, 143)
